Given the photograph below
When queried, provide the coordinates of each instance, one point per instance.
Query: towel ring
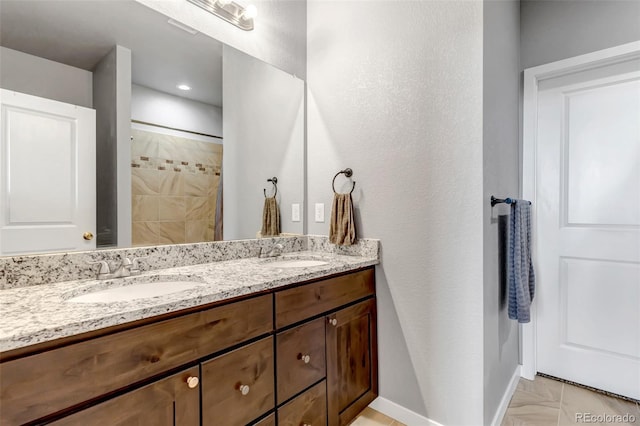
(274, 181)
(348, 173)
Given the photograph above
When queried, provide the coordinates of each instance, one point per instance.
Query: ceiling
(81, 33)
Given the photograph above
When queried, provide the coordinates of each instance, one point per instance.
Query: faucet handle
(104, 266)
(135, 263)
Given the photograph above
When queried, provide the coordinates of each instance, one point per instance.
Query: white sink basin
(295, 263)
(134, 291)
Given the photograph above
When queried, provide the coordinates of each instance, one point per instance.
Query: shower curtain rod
(174, 128)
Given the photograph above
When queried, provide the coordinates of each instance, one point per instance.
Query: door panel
(167, 402)
(47, 175)
(600, 295)
(588, 220)
(603, 155)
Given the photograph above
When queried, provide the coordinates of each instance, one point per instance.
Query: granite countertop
(43, 313)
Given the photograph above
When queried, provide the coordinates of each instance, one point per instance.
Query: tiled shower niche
(174, 188)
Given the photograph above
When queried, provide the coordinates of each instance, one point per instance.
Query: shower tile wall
(174, 188)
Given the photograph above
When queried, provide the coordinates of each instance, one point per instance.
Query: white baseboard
(401, 414)
(506, 398)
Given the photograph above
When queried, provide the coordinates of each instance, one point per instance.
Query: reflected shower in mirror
(173, 162)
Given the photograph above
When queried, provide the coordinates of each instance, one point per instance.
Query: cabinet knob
(304, 358)
(333, 321)
(87, 236)
(192, 382)
(244, 389)
(305, 424)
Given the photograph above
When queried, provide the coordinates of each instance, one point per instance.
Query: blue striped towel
(520, 277)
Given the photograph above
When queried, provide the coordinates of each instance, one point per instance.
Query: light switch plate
(295, 212)
(319, 212)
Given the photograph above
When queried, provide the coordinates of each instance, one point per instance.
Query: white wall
(37, 76)
(161, 108)
(554, 30)
(501, 178)
(278, 37)
(395, 93)
(263, 137)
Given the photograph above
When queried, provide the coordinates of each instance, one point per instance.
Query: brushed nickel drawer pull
(304, 358)
(192, 382)
(244, 389)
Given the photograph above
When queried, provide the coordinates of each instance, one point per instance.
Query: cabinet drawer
(167, 402)
(46, 383)
(296, 304)
(238, 387)
(300, 357)
(310, 408)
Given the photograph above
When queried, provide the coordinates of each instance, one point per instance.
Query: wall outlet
(319, 212)
(295, 212)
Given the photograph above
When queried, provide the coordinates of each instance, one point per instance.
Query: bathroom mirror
(188, 130)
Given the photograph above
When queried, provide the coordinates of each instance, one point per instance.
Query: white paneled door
(47, 175)
(588, 219)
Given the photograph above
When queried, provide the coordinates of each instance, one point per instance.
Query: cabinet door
(352, 361)
(173, 401)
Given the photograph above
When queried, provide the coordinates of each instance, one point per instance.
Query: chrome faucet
(126, 268)
(276, 250)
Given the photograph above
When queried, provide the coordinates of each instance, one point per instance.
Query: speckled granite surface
(34, 270)
(36, 314)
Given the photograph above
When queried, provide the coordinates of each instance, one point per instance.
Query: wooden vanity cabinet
(49, 382)
(350, 341)
(302, 355)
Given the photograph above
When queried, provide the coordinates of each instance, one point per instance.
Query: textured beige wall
(174, 185)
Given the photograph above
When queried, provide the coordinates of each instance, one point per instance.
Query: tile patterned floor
(549, 402)
(371, 417)
(545, 402)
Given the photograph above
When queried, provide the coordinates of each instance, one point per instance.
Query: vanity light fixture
(230, 11)
(183, 87)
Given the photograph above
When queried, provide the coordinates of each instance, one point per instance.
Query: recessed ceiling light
(183, 87)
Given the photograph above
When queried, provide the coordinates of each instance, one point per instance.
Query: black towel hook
(348, 173)
(274, 181)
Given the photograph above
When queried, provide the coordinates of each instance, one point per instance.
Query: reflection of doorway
(582, 168)
(175, 186)
(47, 175)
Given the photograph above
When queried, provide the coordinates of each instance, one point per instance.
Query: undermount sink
(295, 263)
(135, 290)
